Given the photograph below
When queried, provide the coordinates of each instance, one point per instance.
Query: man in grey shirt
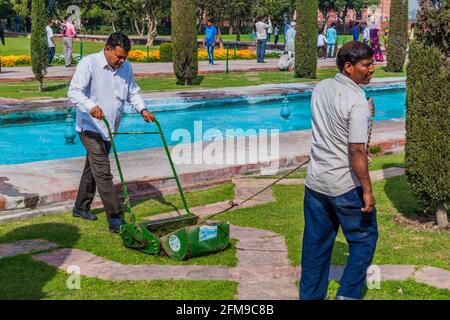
(338, 188)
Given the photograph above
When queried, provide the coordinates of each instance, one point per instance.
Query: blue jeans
(210, 50)
(261, 50)
(51, 54)
(330, 50)
(323, 216)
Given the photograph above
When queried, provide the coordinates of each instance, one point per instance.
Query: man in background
(50, 41)
(210, 40)
(331, 40)
(69, 33)
(261, 36)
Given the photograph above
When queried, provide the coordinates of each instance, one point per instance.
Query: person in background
(287, 25)
(374, 25)
(270, 29)
(210, 39)
(51, 42)
(16, 23)
(331, 40)
(276, 33)
(69, 33)
(366, 33)
(355, 31)
(2, 33)
(286, 61)
(261, 36)
(290, 38)
(322, 45)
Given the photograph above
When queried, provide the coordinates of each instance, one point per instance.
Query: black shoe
(115, 223)
(84, 215)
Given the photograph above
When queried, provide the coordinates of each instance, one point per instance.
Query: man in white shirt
(261, 36)
(338, 189)
(101, 86)
(322, 45)
(290, 38)
(50, 41)
(366, 34)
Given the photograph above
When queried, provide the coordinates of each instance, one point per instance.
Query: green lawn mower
(181, 237)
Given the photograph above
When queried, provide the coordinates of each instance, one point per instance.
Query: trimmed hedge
(428, 125)
(398, 36)
(184, 40)
(306, 39)
(39, 45)
(165, 52)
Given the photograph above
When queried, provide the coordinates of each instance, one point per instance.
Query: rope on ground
(234, 204)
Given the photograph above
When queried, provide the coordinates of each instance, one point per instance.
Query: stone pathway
(25, 247)
(263, 271)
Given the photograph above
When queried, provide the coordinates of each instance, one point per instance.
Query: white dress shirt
(96, 83)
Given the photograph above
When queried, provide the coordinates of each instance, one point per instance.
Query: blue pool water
(42, 138)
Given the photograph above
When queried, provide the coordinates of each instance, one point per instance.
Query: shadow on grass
(198, 81)
(55, 87)
(399, 192)
(27, 278)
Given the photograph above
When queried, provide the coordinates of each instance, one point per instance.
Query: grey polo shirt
(340, 115)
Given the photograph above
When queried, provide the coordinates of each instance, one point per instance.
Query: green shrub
(165, 52)
(428, 126)
(39, 45)
(398, 36)
(184, 40)
(306, 39)
(375, 150)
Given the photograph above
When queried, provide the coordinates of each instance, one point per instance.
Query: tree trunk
(219, 35)
(41, 86)
(133, 29)
(441, 215)
(151, 35)
(238, 32)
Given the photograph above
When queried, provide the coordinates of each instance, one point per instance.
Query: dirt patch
(425, 221)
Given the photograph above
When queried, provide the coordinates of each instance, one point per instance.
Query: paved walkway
(263, 272)
(156, 69)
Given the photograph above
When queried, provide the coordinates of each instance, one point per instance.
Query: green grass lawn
(388, 161)
(396, 245)
(21, 46)
(58, 89)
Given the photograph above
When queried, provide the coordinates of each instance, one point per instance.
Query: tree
(398, 35)
(306, 39)
(428, 118)
(184, 39)
(6, 9)
(326, 6)
(39, 46)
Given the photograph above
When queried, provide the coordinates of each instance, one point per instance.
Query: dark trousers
(277, 37)
(51, 54)
(97, 175)
(323, 216)
(322, 51)
(261, 50)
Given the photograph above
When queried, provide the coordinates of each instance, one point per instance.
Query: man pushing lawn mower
(101, 86)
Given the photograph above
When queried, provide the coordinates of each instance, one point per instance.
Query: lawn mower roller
(180, 237)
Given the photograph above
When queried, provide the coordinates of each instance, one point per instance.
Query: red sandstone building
(382, 10)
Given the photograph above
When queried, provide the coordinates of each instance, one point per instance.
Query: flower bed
(139, 56)
(12, 61)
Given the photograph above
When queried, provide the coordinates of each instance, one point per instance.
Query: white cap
(293, 24)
